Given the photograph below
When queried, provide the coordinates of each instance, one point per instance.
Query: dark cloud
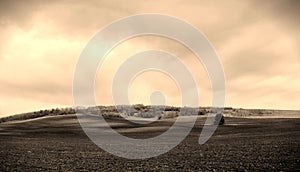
(285, 13)
(20, 12)
(66, 18)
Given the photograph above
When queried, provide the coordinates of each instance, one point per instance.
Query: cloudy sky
(257, 42)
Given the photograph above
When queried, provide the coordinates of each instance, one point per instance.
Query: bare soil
(57, 143)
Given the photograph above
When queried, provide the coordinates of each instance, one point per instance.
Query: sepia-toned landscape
(171, 85)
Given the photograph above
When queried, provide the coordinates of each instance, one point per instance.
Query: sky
(257, 43)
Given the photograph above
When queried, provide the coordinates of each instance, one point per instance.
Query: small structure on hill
(219, 120)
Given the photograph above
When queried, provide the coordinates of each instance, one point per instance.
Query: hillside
(146, 111)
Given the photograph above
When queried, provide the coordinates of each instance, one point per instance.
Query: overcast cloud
(258, 44)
